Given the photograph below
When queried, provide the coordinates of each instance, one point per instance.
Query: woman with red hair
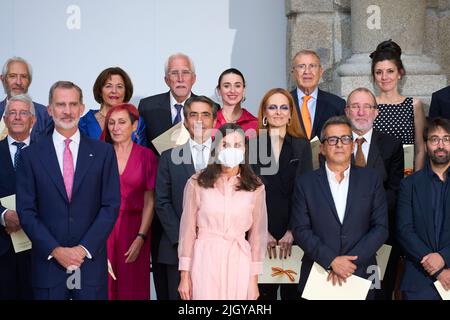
(129, 242)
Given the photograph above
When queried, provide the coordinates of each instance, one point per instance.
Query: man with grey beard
(384, 153)
(423, 218)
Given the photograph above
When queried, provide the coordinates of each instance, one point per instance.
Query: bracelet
(142, 235)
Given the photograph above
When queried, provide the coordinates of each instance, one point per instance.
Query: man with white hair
(16, 78)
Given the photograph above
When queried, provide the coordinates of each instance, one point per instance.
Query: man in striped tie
(15, 268)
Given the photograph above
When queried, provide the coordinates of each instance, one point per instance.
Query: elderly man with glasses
(339, 212)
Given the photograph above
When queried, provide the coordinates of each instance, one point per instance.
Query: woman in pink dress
(231, 89)
(129, 242)
(223, 228)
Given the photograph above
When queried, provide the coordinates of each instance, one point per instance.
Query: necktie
(178, 116)
(306, 116)
(19, 146)
(68, 171)
(360, 161)
(199, 159)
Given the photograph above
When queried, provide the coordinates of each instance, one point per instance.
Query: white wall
(138, 35)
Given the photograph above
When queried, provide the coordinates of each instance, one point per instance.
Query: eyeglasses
(184, 74)
(434, 140)
(22, 114)
(274, 107)
(302, 67)
(364, 107)
(332, 141)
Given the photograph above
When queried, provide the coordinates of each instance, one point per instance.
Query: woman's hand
(271, 246)
(286, 244)
(133, 251)
(185, 286)
(253, 290)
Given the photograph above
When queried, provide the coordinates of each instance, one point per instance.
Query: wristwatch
(142, 235)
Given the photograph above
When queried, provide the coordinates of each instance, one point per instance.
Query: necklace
(228, 120)
(102, 114)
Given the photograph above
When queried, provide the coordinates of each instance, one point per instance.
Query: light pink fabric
(212, 243)
(68, 171)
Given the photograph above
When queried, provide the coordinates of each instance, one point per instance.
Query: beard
(439, 160)
(65, 125)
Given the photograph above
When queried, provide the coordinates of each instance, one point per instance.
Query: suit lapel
(189, 165)
(353, 192)
(166, 111)
(325, 186)
(423, 194)
(374, 152)
(50, 162)
(297, 104)
(2, 107)
(6, 156)
(86, 157)
(318, 114)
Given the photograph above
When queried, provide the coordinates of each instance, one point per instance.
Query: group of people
(97, 199)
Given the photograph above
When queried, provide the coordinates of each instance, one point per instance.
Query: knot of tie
(199, 159)
(67, 142)
(18, 144)
(360, 141)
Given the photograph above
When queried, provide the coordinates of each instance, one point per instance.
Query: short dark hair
(230, 71)
(187, 105)
(434, 124)
(64, 85)
(248, 181)
(334, 121)
(388, 50)
(104, 76)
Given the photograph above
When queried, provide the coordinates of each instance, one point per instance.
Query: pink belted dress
(223, 236)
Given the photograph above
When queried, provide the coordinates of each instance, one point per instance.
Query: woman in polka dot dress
(399, 116)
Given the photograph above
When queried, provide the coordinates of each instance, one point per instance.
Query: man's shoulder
(331, 97)
(443, 92)
(39, 106)
(383, 139)
(155, 99)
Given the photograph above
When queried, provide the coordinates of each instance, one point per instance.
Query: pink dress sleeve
(188, 225)
(257, 235)
(150, 167)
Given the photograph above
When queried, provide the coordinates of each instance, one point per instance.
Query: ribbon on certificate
(277, 271)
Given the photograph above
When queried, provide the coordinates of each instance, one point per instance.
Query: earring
(289, 122)
(264, 121)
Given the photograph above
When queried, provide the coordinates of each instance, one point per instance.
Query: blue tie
(178, 116)
(19, 146)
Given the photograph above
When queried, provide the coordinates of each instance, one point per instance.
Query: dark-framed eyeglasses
(434, 140)
(333, 140)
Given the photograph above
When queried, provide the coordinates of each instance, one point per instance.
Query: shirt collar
(313, 94)
(332, 175)
(367, 136)
(207, 143)
(433, 174)
(173, 101)
(59, 138)
(26, 141)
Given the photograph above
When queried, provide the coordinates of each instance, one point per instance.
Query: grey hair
(362, 89)
(23, 97)
(17, 59)
(306, 52)
(336, 120)
(64, 85)
(179, 55)
(187, 105)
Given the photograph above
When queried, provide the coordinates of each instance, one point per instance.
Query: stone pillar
(403, 21)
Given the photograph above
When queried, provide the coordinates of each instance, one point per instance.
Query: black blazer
(440, 104)
(7, 188)
(317, 229)
(328, 105)
(170, 182)
(295, 159)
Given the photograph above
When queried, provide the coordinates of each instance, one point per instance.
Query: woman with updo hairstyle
(400, 116)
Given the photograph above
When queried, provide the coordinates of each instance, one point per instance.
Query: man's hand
(343, 266)
(12, 223)
(335, 278)
(444, 279)
(432, 263)
(69, 258)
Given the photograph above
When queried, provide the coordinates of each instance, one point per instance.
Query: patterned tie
(199, 159)
(19, 146)
(360, 161)
(68, 171)
(178, 116)
(306, 116)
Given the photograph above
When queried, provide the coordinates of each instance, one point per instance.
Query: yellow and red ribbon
(277, 271)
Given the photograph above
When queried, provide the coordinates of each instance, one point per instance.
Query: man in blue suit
(15, 268)
(440, 104)
(339, 212)
(68, 199)
(423, 218)
(16, 78)
(314, 106)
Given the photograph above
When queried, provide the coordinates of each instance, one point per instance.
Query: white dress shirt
(339, 190)
(206, 151)
(366, 144)
(173, 110)
(311, 103)
(12, 151)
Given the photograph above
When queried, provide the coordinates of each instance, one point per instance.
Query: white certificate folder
(285, 271)
(318, 288)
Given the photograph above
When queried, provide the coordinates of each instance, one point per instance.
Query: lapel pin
(91, 155)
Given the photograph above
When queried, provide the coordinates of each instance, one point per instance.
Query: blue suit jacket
(7, 188)
(440, 104)
(327, 106)
(318, 231)
(415, 229)
(44, 123)
(50, 220)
